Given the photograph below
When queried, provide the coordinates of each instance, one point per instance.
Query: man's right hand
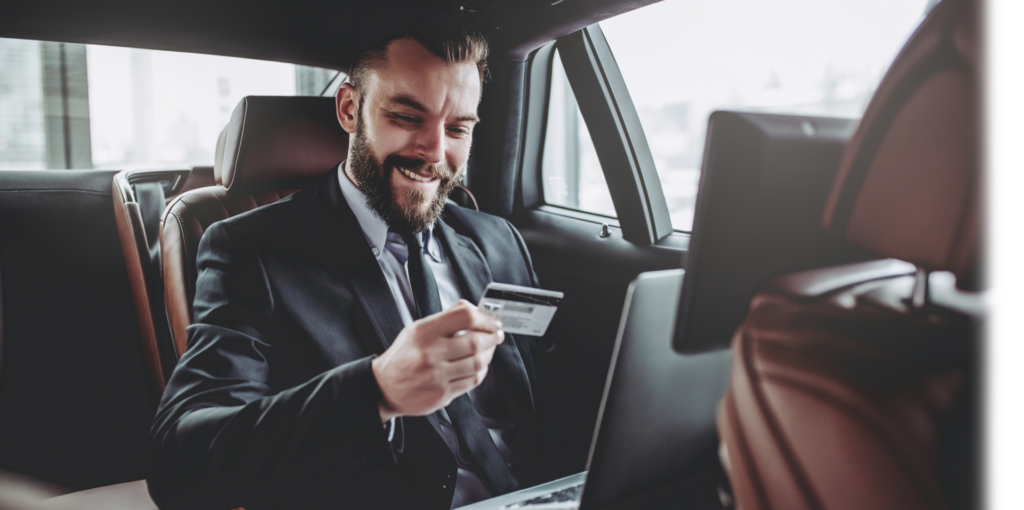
(431, 362)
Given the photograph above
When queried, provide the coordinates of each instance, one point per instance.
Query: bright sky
(726, 51)
(683, 59)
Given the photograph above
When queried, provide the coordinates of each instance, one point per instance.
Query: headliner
(308, 32)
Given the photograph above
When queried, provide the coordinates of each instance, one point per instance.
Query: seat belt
(150, 197)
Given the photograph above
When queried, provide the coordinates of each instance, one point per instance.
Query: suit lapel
(345, 251)
(474, 275)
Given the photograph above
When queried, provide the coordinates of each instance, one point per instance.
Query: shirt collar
(374, 228)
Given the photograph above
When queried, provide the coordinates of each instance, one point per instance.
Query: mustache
(441, 170)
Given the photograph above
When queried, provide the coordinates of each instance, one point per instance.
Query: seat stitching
(867, 423)
(184, 237)
(732, 415)
(222, 206)
(810, 497)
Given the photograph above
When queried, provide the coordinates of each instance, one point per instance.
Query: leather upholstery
(76, 399)
(135, 249)
(186, 219)
(279, 142)
(908, 186)
(270, 148)
(144, 273)
(844, 399)
(843, 395)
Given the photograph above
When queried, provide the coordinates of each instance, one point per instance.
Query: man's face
(412, 132)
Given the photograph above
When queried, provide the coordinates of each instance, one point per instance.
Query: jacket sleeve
(225, 437)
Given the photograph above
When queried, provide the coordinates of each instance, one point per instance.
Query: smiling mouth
(414, 176)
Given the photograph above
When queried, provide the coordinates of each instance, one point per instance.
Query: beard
(373, 176)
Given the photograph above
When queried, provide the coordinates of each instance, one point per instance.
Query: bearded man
(336, 359)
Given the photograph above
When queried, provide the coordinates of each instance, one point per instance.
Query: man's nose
(430, 144)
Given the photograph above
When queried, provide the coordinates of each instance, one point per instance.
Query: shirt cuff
(389, 426)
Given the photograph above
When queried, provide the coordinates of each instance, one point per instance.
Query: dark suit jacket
(274, 404)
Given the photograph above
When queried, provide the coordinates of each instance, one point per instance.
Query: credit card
(521, 310)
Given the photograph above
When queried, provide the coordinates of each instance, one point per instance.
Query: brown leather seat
(270, 148)
(139, 244)
(853, 387)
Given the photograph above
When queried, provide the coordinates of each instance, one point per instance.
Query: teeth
(414, 176)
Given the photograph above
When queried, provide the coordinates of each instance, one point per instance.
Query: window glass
(81, 106)
(571, 172)
(681, 60)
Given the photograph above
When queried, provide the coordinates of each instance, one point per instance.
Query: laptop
(656, 424)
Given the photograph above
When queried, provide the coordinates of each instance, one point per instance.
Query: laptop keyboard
(566, 495)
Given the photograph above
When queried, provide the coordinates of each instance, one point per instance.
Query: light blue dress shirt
(392, 253)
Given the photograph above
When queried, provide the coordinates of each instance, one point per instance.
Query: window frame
(614, 126)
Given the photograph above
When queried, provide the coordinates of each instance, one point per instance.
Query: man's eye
(458, 131)
(404, 118)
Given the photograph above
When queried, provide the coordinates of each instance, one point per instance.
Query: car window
(571, 171)
(682, 60)
(86, 106)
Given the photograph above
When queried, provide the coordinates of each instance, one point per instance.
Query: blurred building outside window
(78, 106)
(571, 171)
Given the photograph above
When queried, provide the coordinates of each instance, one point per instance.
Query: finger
(469, 344)
(468, 365)
(462, 316)
(464, 384)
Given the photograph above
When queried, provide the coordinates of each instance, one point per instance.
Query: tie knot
(411, 240)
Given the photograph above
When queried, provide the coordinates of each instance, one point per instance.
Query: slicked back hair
(445, 34)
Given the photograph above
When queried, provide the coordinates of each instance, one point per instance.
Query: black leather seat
(76, 399)
(139, 202)
(855, 387)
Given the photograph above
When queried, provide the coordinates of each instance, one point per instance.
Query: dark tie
(466, 421)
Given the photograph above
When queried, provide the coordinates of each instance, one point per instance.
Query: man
(321, 370)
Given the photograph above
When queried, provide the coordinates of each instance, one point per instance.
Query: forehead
(411, 70)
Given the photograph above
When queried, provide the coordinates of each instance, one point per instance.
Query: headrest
(276, 142)
(908, 185)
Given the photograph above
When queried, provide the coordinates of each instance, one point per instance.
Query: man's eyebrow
(415, 105)
(408, 101)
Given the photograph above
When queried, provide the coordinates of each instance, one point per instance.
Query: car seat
(271, 147)
(855, 386)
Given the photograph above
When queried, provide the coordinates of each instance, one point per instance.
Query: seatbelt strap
(150, 197)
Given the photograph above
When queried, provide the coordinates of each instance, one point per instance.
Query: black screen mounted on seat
(764, 182)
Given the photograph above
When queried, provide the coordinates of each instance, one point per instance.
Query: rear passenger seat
(76, 399)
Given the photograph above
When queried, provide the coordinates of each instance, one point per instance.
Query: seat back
(138, 207)
(271, 147)
(76, 402)
(186, 219)
(854, 386)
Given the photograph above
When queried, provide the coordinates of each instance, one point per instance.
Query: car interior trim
(601, 112)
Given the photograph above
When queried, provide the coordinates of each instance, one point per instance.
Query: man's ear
(346, 103)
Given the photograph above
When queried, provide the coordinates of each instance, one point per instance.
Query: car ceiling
(308, 32)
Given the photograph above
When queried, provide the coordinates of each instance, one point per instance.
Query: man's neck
(348, 173)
